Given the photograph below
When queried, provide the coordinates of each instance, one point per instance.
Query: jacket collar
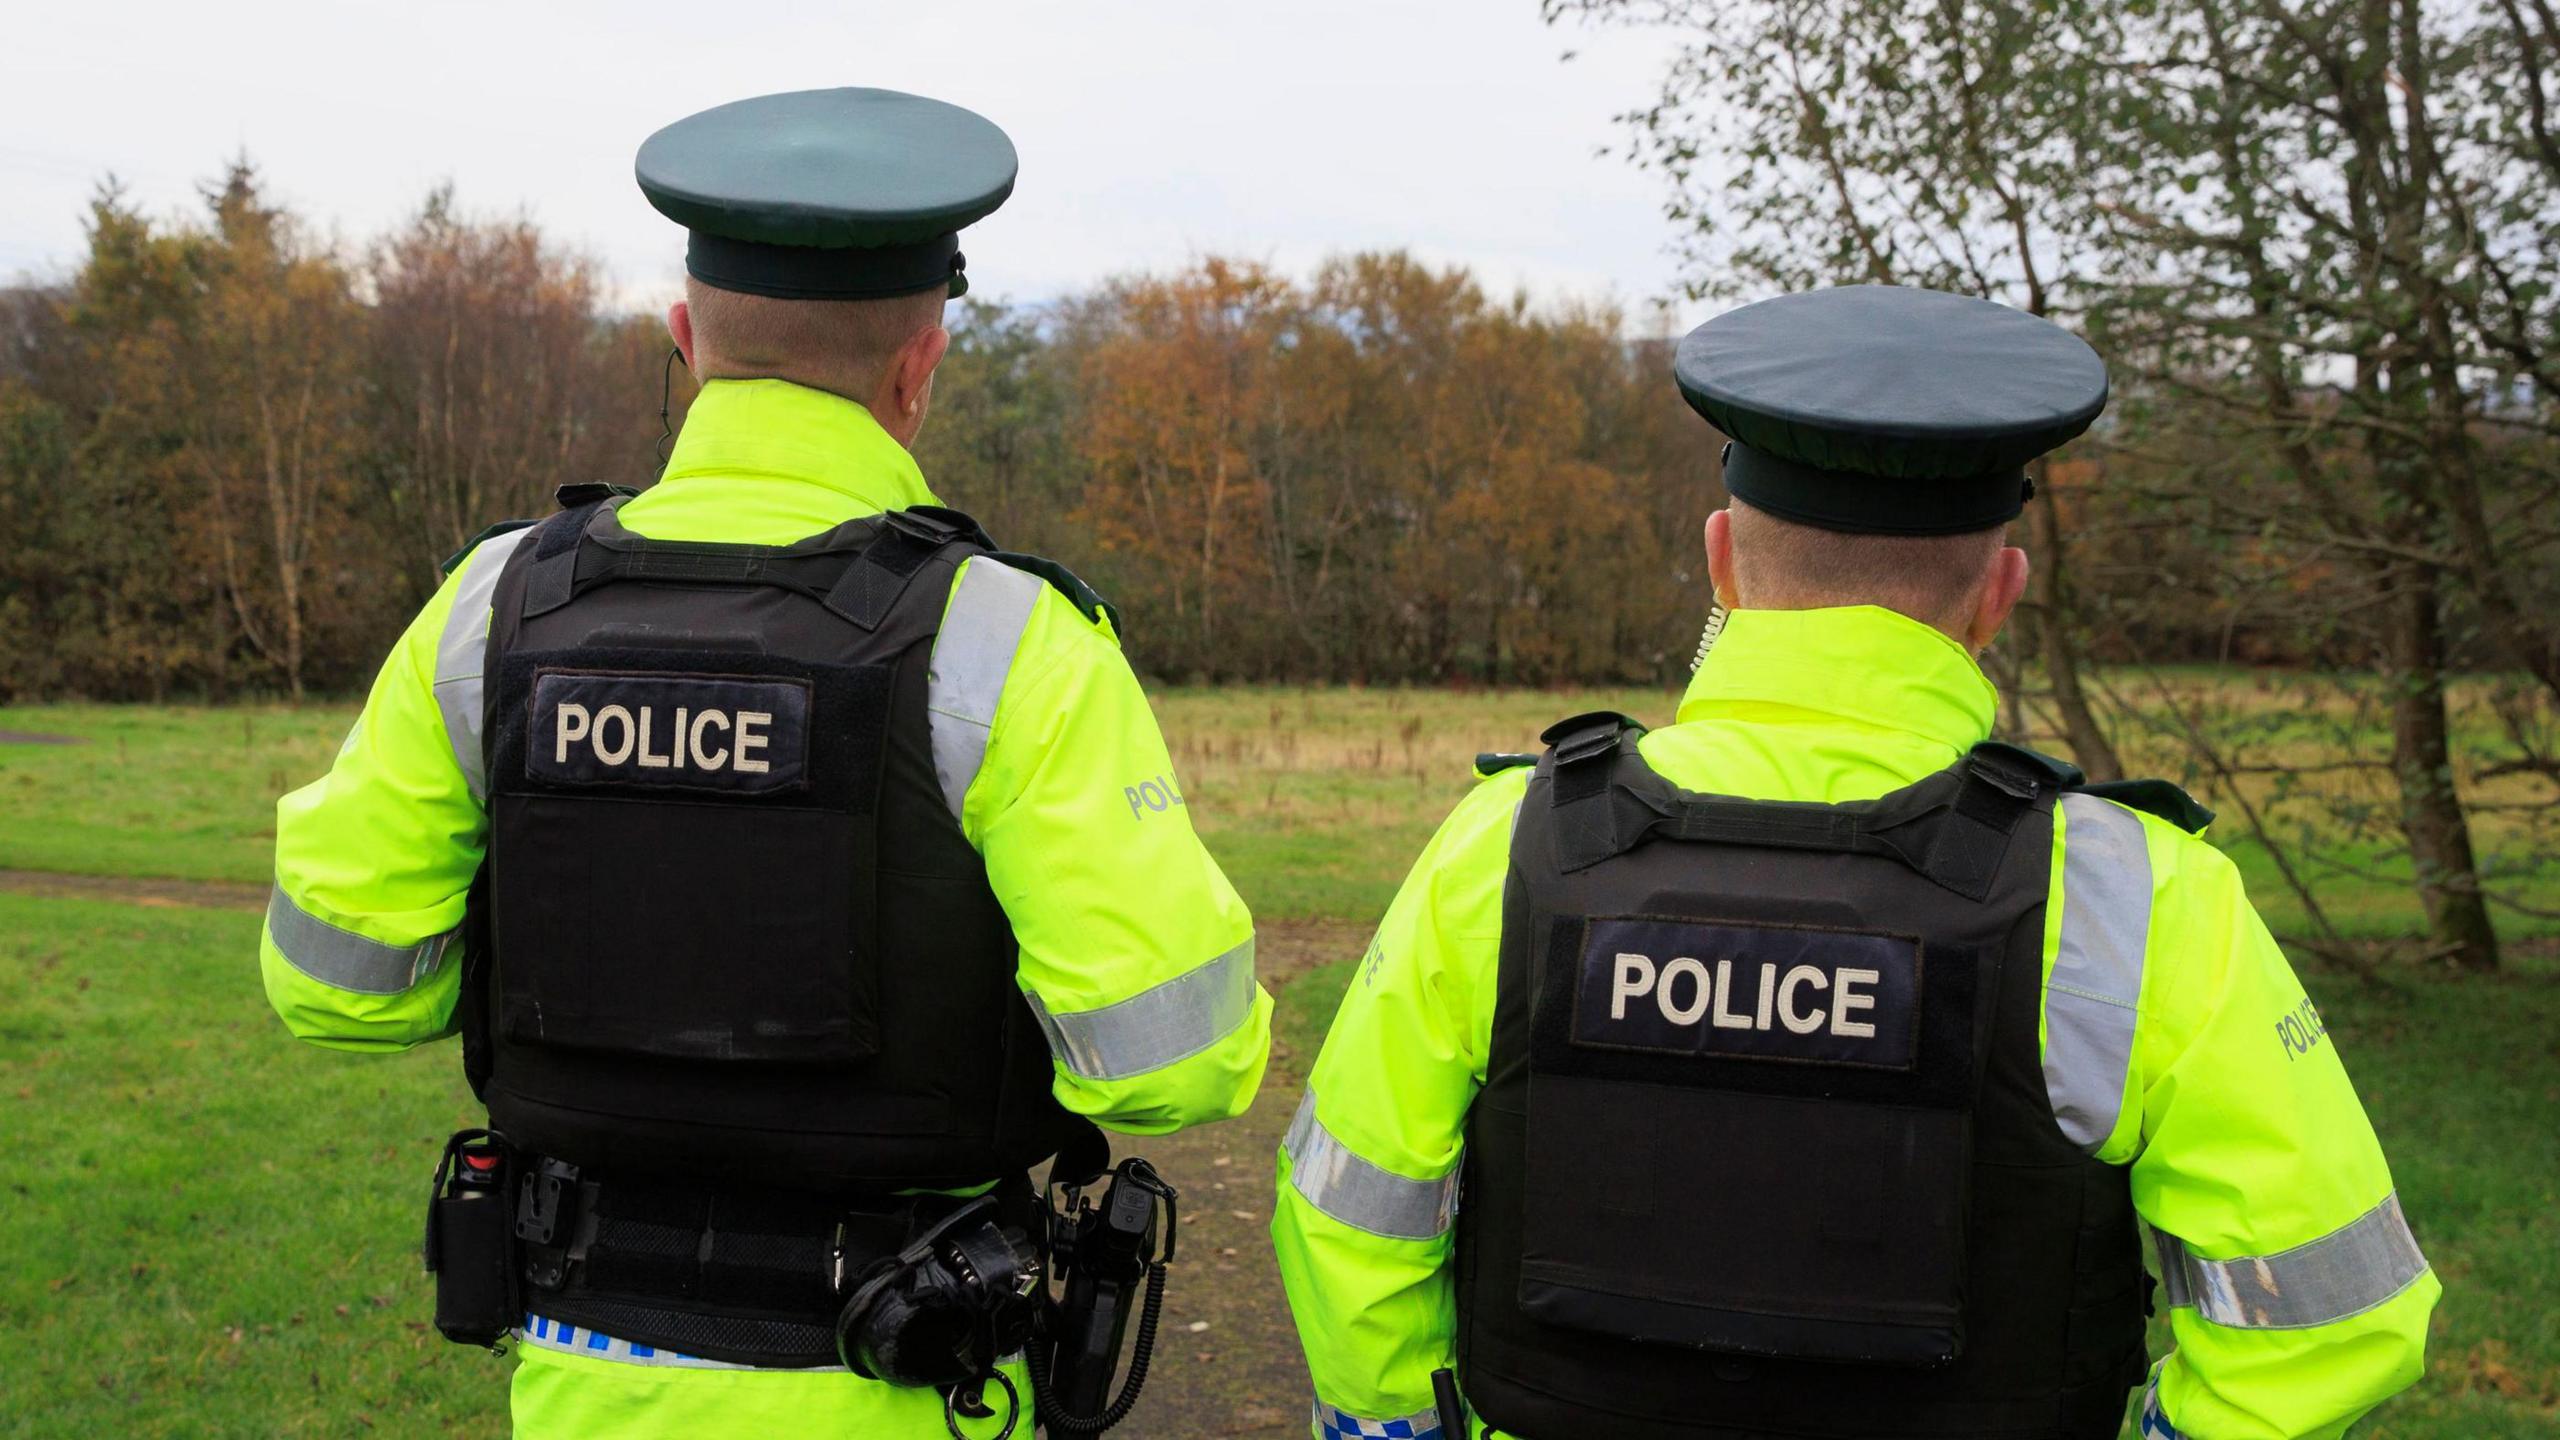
(773, 430)
(1861, 663)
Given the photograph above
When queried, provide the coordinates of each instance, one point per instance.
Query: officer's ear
(2001, 589)
(909, 381)
(680, 329)
(1720, 558)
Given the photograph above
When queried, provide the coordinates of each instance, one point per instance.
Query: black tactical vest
(1764, 1147)
(728, 930)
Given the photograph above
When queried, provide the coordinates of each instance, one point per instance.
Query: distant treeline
(231, 457)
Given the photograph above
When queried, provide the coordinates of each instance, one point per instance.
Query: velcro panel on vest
(720, 734)
(1819, 1079)
(1823, 997)
(674, 836)
(839, 715)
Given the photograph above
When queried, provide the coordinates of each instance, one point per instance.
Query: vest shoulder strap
(2151, 796)
(2154, 797)
(579, 494)
(1066, 582)
(907, 539)
(2052, 769)
(453, 562)
(569, 498)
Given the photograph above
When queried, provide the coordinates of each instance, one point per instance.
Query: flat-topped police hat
(828, 194)
(1881, 409)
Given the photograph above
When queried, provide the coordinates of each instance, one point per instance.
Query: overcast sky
(1150, 130)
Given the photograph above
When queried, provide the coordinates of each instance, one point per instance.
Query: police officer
(768, 836)
(1802, 1068)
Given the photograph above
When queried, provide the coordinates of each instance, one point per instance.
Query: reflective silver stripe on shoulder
(1333, 1423)
(464, 647)
(1153, 1028)
(981, 630)
(2342, 1274)
(2096, 983)
(1363, 1195)
(345, 959)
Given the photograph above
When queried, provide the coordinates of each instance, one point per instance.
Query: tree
(481, 337)
(2332, 238)
(998, 444)
(267, 396)
(1173, 382)
(2315, 236)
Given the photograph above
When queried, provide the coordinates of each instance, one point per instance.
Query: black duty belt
(745, 1277)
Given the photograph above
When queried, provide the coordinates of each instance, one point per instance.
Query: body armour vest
(728, 928)
(1764, 1147)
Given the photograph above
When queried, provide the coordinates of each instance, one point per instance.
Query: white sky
(1150, 130)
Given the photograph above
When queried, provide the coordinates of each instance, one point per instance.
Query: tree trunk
(2057, 646)
(2431, 814)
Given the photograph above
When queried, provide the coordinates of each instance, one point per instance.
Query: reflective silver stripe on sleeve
(2344, 1273)
(345, 959)
(464, 647)
(1333, 1423)
(2097, 967)
(1338, 1181)
(981, 630)
(1153, 1028)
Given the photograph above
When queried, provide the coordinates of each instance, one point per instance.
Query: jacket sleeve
(374, 859)
(1136, 954)
(2179, 1043)
(1368, 1174)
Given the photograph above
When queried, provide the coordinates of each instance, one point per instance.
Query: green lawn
(212, 1226)
(157, 790)
(212, 1230)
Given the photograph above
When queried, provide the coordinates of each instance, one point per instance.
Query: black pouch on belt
(471, 1240)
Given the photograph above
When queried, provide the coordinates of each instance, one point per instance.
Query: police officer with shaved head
(1808, 1067)
(767, 836)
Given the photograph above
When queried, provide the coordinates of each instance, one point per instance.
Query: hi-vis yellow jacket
(1137, 951)
(2177, 1043)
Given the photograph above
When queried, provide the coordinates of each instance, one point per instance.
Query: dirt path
(1242, 1375)
(137, 890)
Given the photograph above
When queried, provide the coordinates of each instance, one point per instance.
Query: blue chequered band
(2156, 1426)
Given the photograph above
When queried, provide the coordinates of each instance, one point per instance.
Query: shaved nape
(1934, 579)
(840, 346)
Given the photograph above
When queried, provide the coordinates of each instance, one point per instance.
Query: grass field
(213, 1229)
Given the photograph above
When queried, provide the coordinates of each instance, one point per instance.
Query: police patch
(1749, 992)
(734, 735)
